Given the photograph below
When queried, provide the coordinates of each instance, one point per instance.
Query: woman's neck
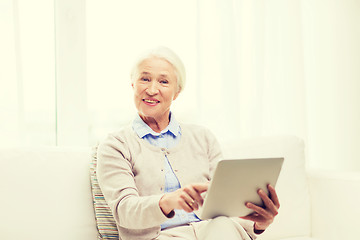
(157, 125)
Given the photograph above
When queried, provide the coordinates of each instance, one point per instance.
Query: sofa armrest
(334, 199)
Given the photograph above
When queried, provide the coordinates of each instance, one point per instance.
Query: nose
(152, 88)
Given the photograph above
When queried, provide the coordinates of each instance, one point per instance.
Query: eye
(164, 81)
(145, 79)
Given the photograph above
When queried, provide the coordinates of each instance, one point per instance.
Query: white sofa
(46, 194)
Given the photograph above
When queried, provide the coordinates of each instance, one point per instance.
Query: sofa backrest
(46, 194)
(292, 186)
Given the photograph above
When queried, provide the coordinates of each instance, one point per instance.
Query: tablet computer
(236, 182)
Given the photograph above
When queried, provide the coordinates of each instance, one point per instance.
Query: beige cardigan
(131, 175)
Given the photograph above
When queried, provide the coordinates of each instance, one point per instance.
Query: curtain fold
(251, 68)
(27, 102)
(9, 92)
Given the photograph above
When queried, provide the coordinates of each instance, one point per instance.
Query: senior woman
(152, 173)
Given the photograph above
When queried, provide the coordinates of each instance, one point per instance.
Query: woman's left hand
(264, 216)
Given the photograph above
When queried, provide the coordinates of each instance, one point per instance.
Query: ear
(132, 85)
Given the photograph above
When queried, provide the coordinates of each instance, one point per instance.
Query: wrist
(258, 229)
(165, 206)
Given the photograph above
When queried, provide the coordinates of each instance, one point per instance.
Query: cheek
(137, 96)
(137, 90)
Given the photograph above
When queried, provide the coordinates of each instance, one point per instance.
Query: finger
(269, 204)
(194, 194)
(274, 196)
(261, 211)
(255, 217)
(251, 217)
(188, 199)
(200, 187)
(193, 205)
(185, 206)
(184, 201)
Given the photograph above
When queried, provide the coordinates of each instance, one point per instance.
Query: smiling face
(154, 90)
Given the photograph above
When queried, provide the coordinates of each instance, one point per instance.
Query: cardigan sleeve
(213, 151)
(116, 180)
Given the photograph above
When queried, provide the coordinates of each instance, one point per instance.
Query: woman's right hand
(187, 198)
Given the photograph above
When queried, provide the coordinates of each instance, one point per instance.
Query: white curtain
(251, 68)
(27, 73)
(255, 68)
(8, 91)
(331, 36)
(284, 67)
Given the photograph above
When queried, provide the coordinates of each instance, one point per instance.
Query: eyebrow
(164, 75)
(161, 75)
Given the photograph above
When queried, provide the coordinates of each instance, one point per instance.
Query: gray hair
(168, 55)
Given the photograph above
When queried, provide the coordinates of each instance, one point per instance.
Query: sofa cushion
(292, 187)
(45, 194)
(335, 196)
(105, 221)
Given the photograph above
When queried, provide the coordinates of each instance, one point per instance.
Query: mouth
(151, 101)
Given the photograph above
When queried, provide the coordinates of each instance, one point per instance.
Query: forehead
(156, 66)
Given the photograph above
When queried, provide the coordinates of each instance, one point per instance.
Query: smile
(151, 101)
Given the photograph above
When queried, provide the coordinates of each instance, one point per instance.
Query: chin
(149, 114)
